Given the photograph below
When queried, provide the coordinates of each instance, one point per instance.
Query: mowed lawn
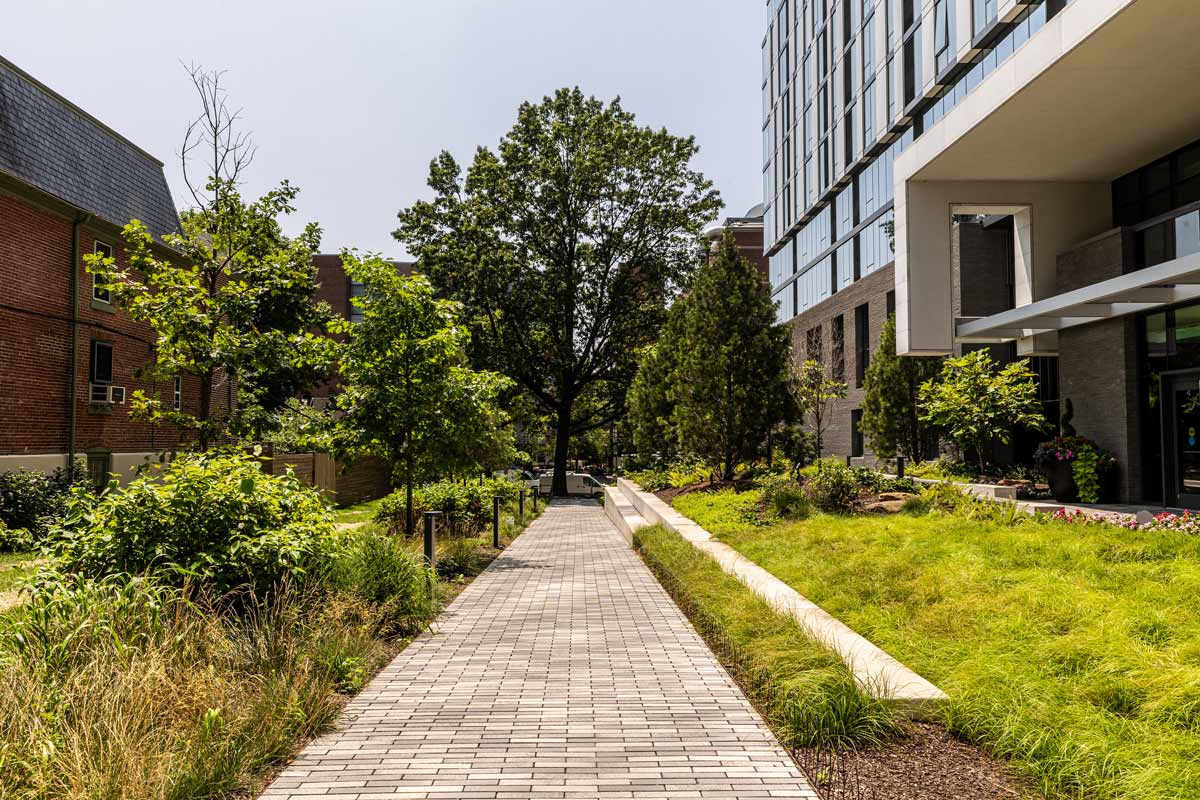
(1072, 650)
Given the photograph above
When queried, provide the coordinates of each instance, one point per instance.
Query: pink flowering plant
(1186, 522)
(1089, 463)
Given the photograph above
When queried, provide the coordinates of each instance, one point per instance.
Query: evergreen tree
(651, 407)
(729, 385)
(891, 418)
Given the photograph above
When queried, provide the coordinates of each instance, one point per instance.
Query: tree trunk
(409, 523)
(206, 383)
(562, 447)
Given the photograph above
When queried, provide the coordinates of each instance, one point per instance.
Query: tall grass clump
(1070, 650)
(193, 632)
(125, 688)
(803, 689)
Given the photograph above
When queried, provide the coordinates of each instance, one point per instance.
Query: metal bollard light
(521, 505)
(430, 541)
(900, 466)
(496, 522)
(536, 492)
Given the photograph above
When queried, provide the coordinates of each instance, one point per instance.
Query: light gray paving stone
(563, 671)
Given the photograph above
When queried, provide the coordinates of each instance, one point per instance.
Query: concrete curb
(873, 669)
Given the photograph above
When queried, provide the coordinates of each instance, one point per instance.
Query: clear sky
(350, 100)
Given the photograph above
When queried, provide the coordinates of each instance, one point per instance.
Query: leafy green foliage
(382, 570)
(833, 488)
(650, 402)
(466, 507)
(729, 385)
(784, 497)
(409, 395)
(215, 520)
(814, 391)
(891, 418)
(462, 558)
(30, 501)
(564, 244)
(233, 304)
(14, 540)
(975, 404)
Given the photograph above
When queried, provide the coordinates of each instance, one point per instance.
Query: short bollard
(849, 463)
(521, 505)
(900, 466)
(496, 522)
(535, 499)
(431, 544)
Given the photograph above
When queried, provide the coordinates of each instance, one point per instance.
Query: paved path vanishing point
(563, 671)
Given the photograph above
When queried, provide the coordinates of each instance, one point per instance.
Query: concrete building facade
(1035, 168)
(1087, 137)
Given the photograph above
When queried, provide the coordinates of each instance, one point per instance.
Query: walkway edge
(876, 671)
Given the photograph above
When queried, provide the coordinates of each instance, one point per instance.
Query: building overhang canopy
(1176, 281)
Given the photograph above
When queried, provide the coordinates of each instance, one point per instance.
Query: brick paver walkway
(564, 671)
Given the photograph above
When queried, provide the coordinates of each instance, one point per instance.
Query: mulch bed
(928, 764)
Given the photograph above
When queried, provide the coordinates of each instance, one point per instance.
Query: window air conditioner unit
(104, 393)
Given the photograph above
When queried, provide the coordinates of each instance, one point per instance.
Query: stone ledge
(622, 513)
(873, 669)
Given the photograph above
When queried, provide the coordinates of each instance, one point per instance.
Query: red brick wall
(35, 333)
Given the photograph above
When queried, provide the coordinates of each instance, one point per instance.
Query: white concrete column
(963, 31)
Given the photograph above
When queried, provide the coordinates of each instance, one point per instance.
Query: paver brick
(563, 671)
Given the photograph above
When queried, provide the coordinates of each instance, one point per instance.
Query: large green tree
(975, 402)
(727, 386)
(408, 394)
(891, 418)
(564, 244)
(233, 304)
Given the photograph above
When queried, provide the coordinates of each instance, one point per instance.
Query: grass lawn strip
(852, 746)
(1072, 651)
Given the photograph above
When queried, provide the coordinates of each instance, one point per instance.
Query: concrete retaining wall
(876, 671)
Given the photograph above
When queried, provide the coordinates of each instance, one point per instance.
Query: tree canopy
(716, 381)
(231, 300)
(409, 395)
(975, 403)
(564, 245)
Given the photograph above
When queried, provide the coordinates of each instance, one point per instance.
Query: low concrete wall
(876, 671)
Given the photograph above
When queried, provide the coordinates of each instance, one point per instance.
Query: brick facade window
(837, 345)
(98, 294)
(812, 345)
(178, 399)
(857, 445)
(862, 343)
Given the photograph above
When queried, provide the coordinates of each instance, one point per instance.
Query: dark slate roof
(50, 144)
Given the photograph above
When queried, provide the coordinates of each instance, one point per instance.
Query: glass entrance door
(1183, 453)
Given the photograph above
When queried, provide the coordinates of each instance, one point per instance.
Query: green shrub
(32, 501)
(466, 507)
(14, 540)
(905, 485)
(461, 558)
(833, 488)
(382, 570)
(784, 497)
(214, 520)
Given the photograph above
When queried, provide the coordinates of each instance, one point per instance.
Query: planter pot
(1062, 481)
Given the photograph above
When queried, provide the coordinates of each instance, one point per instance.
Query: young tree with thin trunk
(409, 395)
(814, 392)
(233, 305)
(564, 245)
(976, 403)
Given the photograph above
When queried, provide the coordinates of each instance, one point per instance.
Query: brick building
(747, 231)
(68, 357)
